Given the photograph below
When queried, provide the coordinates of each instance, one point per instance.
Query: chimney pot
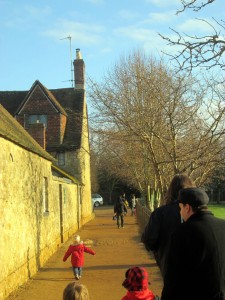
(78, 54)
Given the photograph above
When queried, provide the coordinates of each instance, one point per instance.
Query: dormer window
(33, 119)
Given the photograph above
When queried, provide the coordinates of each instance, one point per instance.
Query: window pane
(33, 119)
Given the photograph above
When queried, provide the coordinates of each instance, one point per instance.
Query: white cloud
(126, 14)
(106, 50)
(148, 39)
(83, 33)
(164, 3)
(34, 11)
(162, 17)
(195, 26)
(138, 34)
(26, 17)
(95, 1)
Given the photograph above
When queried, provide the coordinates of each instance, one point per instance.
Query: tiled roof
(11, 130)
(72, 101)
(11, 100)
(69, 100)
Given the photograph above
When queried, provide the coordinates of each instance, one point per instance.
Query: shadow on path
(103, 274)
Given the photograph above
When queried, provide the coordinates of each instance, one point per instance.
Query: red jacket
(77, 254)
(139, 295)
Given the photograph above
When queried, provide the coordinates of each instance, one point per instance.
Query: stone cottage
(45, 187)
(57, 120)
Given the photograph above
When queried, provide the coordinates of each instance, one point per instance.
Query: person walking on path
(76, 251)
(136, 283)
(164, 220)
(196, 260)
(132, 204)
(119, 211)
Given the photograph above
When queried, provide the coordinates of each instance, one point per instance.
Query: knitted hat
(195, 197)
(136, 279)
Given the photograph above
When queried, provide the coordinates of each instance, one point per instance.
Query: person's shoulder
(166, 209)
(159, 210)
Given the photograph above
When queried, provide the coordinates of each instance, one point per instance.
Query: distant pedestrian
(132, 204)
(196, 260)
(119, 211)
(136, 283)
(75, 291)
(164, 220)
(123, 197)
(76, 251)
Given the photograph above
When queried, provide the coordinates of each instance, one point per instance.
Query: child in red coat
(76, 250)
(136, 283)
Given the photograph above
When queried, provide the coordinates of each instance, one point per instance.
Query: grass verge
(218, 210)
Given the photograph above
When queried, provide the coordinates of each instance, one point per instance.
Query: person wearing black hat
(196, 260)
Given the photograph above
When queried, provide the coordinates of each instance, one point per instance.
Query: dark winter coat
(196, 264)
(120, 207)
(157, 234)
(77, 254)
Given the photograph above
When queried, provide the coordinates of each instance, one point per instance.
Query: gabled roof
(70, 101)
(11, 130)
(48, 94)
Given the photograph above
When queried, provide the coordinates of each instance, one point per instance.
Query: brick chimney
(79, 69)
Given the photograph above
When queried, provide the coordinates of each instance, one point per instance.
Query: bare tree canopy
(206, 51)
(153, 123)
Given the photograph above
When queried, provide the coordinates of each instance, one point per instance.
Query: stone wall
(38, 213)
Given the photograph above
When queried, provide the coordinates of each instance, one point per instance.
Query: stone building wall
(38, 212)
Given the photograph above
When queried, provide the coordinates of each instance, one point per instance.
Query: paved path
(117, 250)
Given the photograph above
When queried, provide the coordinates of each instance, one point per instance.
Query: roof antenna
(71, 62)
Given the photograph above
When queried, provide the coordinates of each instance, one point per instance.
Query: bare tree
(155, 124)
(193, 4)
(199, 51)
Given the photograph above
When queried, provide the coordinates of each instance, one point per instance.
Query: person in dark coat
(196, 260)
(164, 220)
(119, 211)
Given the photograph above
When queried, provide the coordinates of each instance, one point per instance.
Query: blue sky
(32, 32)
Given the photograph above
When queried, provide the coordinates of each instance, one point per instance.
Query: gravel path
(116, 251)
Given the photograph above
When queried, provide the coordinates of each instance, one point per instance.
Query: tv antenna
(71, 62)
